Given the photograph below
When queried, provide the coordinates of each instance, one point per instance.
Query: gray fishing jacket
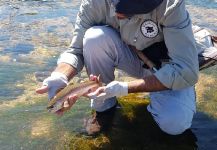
(169, 22)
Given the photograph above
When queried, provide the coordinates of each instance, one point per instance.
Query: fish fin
(99, 80)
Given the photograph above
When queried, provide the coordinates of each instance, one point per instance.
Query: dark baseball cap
(136, 6)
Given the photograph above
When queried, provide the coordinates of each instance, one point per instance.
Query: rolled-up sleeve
(182, 70)
(90, 13)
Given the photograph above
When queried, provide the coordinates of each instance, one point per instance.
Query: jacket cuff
(74, 60)
(171, 79)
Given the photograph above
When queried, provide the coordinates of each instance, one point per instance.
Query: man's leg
(173, 110)
(104, 51)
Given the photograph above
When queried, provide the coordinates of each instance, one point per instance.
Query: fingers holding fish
(67, 104)
(97, 92)
(67, 97)
(70, 101)
(93, 77)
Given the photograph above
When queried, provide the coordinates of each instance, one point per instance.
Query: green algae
(134, 128)
(206, 89)
(26, 124)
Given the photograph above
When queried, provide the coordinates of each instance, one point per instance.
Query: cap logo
(149, 29)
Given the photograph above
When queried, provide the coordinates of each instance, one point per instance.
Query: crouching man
(110, 34)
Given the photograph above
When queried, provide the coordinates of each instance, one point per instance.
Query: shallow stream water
(32, 35)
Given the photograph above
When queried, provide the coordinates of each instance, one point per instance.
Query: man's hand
(53, 84)
(114, 88)
(67, 104)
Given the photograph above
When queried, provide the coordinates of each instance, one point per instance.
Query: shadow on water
(134, 128)
(143, 133)
(204, 127)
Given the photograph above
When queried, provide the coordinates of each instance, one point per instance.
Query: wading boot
(100, 122)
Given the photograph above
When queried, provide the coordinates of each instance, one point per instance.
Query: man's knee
(175, 123)
(98, 37)
(92, 36)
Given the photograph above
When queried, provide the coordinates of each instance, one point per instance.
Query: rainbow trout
(56, 103)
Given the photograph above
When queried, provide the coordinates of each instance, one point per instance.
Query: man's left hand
(114, 88)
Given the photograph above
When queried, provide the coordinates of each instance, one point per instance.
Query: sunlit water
(32, 34)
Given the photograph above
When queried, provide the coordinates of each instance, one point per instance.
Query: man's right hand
(53, 84)
(57, 81)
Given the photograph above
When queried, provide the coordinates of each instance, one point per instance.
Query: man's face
(127, 8)
(118, 15)
(121, 16)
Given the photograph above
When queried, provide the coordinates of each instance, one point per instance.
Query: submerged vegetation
(206, 92)
(133, 127)
(32, 126)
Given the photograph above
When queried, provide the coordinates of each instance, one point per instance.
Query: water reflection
(32, 33)
(203, 3)
(20, 48)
